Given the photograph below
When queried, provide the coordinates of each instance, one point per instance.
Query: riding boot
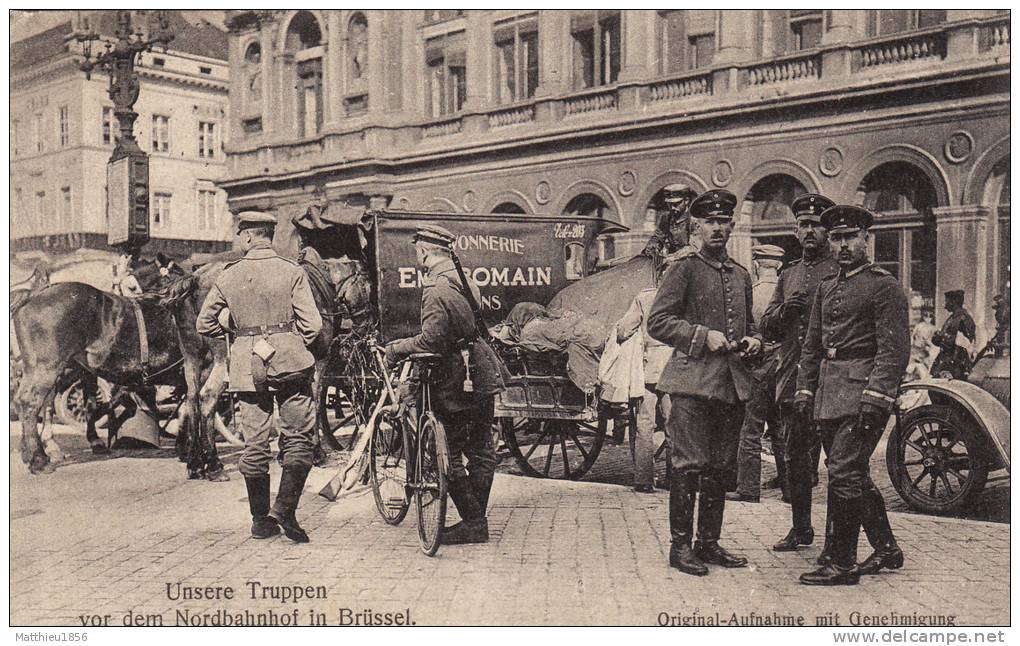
(886, 554)
(842, 570)
(473, 528)
(681, 528)
(481, 484)
(710, 517)
(799, 486)
(826, 556)
(292, 483)
(258, 502)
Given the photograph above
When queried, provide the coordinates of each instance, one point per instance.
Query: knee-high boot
(710, 517)
(258, 503)
(846, 525)
(473, 527)
(292, 483)
(886, 554)
(681, 526)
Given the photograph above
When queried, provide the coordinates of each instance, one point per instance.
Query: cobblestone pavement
(103, 538)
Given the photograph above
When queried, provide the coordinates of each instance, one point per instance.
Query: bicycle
(400, 437)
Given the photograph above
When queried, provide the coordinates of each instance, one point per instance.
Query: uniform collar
(725, 263)
(855, 270)
(261, 250)
(824, 255)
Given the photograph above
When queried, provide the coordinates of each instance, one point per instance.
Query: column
(554, 62)
(962, 259)
(734, 36)
(739, 247)
(380, 66)
(333, 72)
(638, 30)
(479, 70)
(841, 27)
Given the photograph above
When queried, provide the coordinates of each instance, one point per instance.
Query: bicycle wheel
(387, 466)
(430, 483)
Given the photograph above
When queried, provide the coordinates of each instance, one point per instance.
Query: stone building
(63, 131)
(593, 112)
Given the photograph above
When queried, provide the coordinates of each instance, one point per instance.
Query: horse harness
(143, 343)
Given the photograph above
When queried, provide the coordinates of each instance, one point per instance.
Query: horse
(75, 322)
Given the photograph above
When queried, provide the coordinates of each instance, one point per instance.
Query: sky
(30, 23)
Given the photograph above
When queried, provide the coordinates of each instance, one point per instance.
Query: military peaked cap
(252, 219)
(679, 191)
(767, 251)
(955, 294)
(714, 204)
(810, 206)
(434, 234)
(844, 217)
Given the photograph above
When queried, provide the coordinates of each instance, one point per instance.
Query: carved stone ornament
(722, 173)
(959, 146)
(543, 192)
(627, 183)
(831, 162)
(470, 201)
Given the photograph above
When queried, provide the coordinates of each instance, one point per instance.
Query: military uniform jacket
(263, 289)
(800, 276)
(446, 323)
(960, 322)
(698, 294)
(860, 314)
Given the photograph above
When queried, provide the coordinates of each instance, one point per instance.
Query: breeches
(703, 436)
(848, 450)
(469, 435)
(293, 398)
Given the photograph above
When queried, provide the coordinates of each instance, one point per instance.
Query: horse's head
(353, 289)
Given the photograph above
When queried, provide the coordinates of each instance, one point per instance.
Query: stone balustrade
(901, 49)
(597, 101)
(995, 35)
(799, 68)
(511, 116)
(442, 128)
(677, 89)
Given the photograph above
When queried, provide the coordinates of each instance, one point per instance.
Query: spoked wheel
(431, 483)
(387, 465)
(554, 448)
(934, 457)
(71, 406)
(345, 398)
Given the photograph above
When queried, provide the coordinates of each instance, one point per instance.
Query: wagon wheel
(71, 407)
(348, 390)
(554, 448)
(934, 457)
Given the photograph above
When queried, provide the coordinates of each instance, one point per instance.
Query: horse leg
(204, 457)
(49, 443)
(90, 395)
(32, 394)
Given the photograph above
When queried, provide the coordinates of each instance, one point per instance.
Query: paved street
(105, 536)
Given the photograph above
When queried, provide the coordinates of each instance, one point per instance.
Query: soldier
(703, 311)
(761, 407)
(673, 230)
(447, 327)
(274, 320)
(786, 318)
(955, 339)
(853, 358)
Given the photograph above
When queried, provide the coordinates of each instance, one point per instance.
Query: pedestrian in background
(956, 339)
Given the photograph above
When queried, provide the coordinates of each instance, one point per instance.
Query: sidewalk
(106, 537)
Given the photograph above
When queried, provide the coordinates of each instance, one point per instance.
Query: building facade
(594, 112)
(63, 132)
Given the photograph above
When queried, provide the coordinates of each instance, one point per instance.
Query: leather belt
(845, 354)
(259, 330)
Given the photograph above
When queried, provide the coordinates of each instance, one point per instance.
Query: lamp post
(127, 172)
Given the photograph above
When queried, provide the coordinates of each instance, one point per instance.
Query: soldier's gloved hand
(750, 345)
(390, 357)
(716, 341)
(870, 417)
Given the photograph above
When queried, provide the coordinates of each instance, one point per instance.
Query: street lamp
(127, 172)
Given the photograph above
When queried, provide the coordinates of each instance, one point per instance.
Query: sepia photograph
(685, 318)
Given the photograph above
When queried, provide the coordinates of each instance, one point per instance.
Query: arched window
(768, 205)
(253, 55)
(902, 197)
(303, 32)
(580, 261)
(587, 204)
(998, 185)
(509, 207)
(357, 47)
(253, 72)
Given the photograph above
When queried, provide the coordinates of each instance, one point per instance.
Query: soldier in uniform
(786, 318)
(673, 230)
(703, 311)
(761, 407)
(953, 359)
(271, 314)
(447, 327)
(853, 358)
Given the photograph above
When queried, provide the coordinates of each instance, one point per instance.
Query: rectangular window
(446, 74)
(161, 210)
(805, 28)
(15, 148)
(65, 206)
(18, 213)
(111, 133)
(309, 97)
(701, 50)
(252, 126)
(40, 207)
(65, 127)
(37, 133)
(596, 48)
(516, 62)
(442, 15)
(206, 139)
(206, 210)
(160, 133)
(892, 21)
